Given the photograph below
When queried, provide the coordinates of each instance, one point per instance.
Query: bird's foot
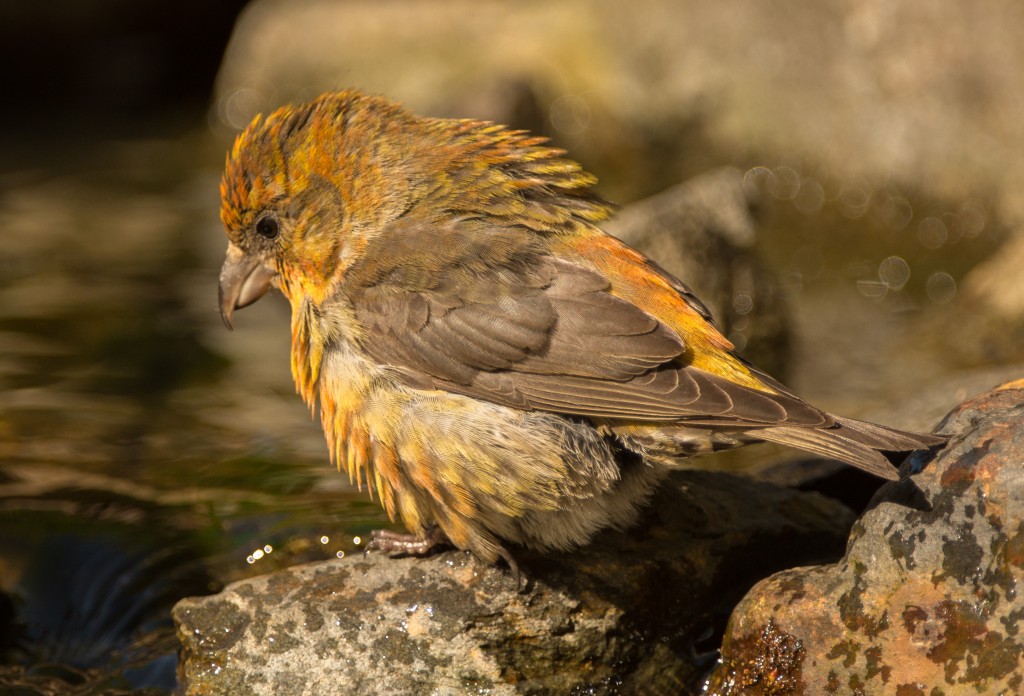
(409, 544)
(434, 539)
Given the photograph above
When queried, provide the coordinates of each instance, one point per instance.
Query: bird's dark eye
(267, 227)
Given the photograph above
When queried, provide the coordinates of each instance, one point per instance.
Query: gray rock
(624, 614)
(925, 600)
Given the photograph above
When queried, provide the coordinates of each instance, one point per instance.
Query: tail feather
(884, 438)
(855, 442)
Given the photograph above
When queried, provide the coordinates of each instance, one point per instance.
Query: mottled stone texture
(624, 615)
(925, 600)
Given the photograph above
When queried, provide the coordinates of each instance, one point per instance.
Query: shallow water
(146, 453)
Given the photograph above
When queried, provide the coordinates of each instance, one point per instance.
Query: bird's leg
(395, 542)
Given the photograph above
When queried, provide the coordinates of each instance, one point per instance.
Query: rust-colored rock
(925, 600)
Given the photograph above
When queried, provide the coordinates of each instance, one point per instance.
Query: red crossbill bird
(494, 366)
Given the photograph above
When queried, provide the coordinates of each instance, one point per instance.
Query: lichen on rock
(925, 600)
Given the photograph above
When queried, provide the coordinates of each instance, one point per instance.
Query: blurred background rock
(869, 210)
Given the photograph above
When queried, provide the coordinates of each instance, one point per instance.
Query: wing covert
(509, 323)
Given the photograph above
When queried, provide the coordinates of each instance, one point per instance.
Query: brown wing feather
(518, 327)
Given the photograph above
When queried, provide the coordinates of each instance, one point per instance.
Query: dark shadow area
(94, 578)
(79, 71)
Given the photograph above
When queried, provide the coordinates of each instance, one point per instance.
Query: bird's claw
(390, 541)
(521, 581)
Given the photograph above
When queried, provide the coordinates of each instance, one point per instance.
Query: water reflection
(90, 578)
(941, 287)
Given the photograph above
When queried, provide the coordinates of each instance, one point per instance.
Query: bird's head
(303, 189)
(306, 188)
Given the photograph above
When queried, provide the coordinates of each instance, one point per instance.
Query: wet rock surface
(925, 600)
(632, 612)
